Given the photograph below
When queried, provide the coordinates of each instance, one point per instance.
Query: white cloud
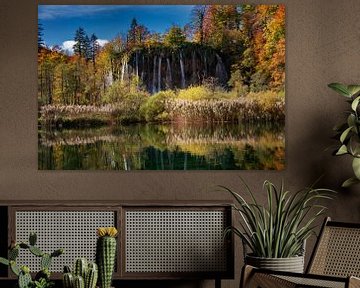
(70, 11)
(68, 45)
(102, 42)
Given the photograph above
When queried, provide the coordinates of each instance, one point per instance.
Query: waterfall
(205, 65)
(137, 64)
(122, 71)
(154, 76)
(193, 64)
(143, 69)
(168, 74)
(109, 79)
(220, 70)
(159, 74)
(183, 84)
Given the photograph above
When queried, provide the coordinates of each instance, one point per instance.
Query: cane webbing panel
(313, 282)
(175, 241)
(338, 252)
(74, 231)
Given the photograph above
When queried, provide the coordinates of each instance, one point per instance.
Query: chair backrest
(337, 251)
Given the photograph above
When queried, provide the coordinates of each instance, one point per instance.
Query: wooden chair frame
(255, 277)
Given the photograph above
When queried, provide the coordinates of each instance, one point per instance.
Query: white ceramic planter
(291, 264)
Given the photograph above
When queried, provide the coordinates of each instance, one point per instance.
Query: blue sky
(106, 21)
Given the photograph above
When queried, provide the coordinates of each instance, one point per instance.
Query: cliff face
(162, 68)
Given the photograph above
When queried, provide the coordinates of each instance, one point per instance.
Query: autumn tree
(197, 23)
(175, 37)
(137, 34)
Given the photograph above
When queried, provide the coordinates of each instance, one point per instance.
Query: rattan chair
(335, 262)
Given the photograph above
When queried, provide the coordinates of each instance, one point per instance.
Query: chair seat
(314, 282)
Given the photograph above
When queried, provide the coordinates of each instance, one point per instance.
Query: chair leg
(217, 283)
(246, 274)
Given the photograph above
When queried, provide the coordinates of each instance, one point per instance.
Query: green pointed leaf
(355, 103)
(356, 167)
(351, 120)
(353, 89)
(342, 150)
(349, 182)
(345, 134)
(340, 88)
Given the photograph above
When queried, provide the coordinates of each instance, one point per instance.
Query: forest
(226, 64)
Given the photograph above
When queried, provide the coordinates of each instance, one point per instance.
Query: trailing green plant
(42, 278)
(279, 229)
(105, 254)
(349, 132)
(84, 275)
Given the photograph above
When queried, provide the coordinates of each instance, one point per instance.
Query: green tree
(40, 36)
(80, 45)
(175, 37)
(94, 47)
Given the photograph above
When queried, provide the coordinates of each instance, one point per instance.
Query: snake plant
(279, 228)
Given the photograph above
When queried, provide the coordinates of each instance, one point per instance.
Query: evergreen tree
(79, 46)
(175, 37)
(40, 36)
(131, 37)
(87, 48)
(94, 47)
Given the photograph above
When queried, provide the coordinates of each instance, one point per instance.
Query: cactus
(68, 280)
(79, 282)
(91, 276)
(80, 267)
(32, 239)
(14, 268)
(13, 253)
(87, 272)
(36, 251)
(105, 254)
(45, 261)
(4, 261)
(24, 278)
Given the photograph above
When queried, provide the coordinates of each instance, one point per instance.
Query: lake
(171, 146)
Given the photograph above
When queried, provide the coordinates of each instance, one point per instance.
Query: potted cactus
(85, 275)
(106, 254)
(42, 278)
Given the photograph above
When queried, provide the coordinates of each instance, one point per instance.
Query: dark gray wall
(323, 40)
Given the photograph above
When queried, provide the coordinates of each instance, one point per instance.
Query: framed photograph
(161, 87)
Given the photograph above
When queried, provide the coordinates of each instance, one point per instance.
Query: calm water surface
(216, 146)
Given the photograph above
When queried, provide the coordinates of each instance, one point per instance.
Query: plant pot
(291, 264)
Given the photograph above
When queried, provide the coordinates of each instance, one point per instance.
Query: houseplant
(276, 233)
(349, 132)
(42, 278)
(84, 274)
(106, 254)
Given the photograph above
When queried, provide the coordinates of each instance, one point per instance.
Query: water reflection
(173, 146)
